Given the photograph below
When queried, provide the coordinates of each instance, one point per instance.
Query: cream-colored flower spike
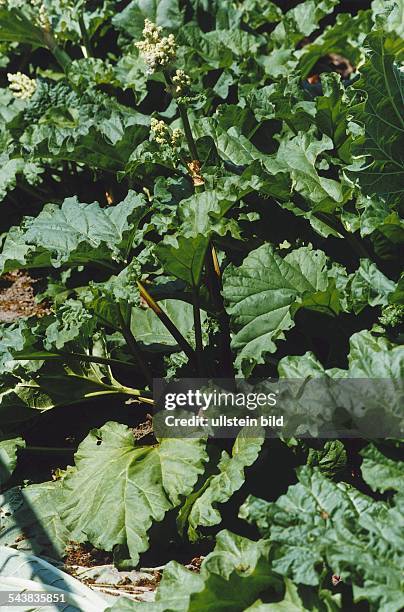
(21, 85)
(160, 131)
(163, 135)
(157, 51)
(181, 81)
(176, 137)
(42, 19)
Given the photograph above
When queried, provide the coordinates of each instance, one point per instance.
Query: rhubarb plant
(203, 189)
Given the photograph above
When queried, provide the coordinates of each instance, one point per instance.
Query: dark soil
(144, 431)
(17, 297)
(86, 555)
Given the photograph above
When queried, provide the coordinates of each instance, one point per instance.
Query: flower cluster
(176, 137)
(160, 131)
(42, 18)
(181, 82)
(157, 51)
(163, 135)
(21, 85)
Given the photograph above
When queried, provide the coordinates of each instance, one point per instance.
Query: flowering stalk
(43, 21)
(197, 179)
(173, 86)
(158, 52)
(42, 18)
(177, 85)
(62, 58)
(188, 133)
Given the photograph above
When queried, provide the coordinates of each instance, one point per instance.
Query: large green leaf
(390, 14)
(294, 602)
(231, 578)
(207, 52)
(296, 24)
(14, 338)
(204, 213)
(239, 42)
(150, 331)
(59, 360)
(345, 37)
(64, 18)
(185, 259)
(19, 401)
(8, 457)
(255, 14)
(55, 386)
(301, 21)
(370, 357)
(86, 126)
(31, 520)
(199, 510)
(113, 299)
(165, 13)
(375, 357)
(372, 387)
(332, 109)
(9, 170)
(383, 117)
(369, 287)
(378, 219)
(15, 26)
(230, 143)
(331, 459)
(284, 100)
(140, 483)
(260, 293)
(299, 156)
(380, 472)
(320, 524)
(72, 323)
(74, 234)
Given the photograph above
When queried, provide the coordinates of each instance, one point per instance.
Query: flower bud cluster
(160, 131)
(21, 85)
(157, 51)
(181, 82)
(163, 135)
(42, 18)
(176, 137)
